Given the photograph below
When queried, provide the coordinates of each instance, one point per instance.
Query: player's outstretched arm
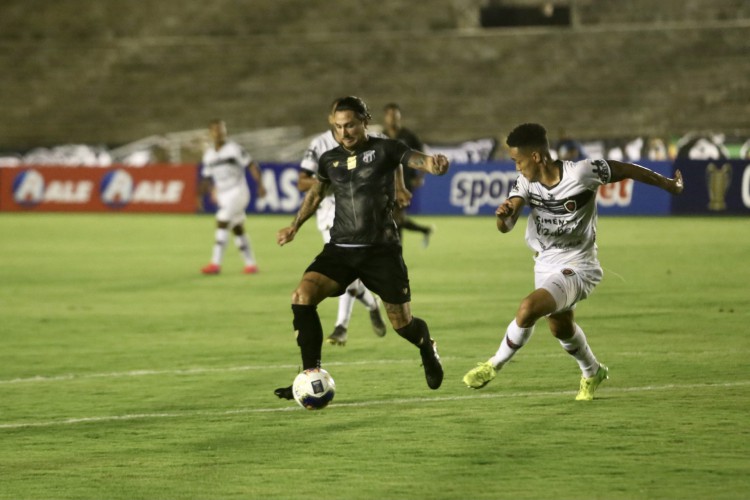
(508, 213)
(622, 170)
(435, 165)
(309, 205)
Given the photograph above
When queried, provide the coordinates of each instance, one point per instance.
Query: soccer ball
(314, 389)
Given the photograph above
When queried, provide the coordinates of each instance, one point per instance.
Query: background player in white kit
(225, 162)
(324, 215)
(561, 230)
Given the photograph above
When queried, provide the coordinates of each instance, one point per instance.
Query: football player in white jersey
(224, 163)
(324, 215)
(561, 230)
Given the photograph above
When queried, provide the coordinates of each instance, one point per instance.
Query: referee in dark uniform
(364, 237)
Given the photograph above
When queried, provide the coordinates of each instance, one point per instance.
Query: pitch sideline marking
(243, 368)
(398, 401)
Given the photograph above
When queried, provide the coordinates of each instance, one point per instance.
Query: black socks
(309, 334)
(416, 332)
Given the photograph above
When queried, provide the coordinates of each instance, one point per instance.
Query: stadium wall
(711, 187)
(85, 71)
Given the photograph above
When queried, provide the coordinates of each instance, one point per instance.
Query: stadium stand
(104, 72)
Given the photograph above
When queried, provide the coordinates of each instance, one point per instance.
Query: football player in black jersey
(364, 237)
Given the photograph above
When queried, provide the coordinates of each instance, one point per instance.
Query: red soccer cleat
(211, 269)
(253, 269)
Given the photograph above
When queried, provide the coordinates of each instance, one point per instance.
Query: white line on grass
(193, 371)
(244, 368)
(381, 402)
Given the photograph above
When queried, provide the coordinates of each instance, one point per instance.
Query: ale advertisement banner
(158, 188)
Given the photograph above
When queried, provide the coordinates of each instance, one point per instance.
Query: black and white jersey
(362, 182)
(226, 166)
(561, 228)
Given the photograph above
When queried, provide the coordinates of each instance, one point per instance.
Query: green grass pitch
(125, 374)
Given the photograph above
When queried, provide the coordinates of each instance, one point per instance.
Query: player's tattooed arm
(309, 205)
(435, 165)
(622, 170)
(508, 213)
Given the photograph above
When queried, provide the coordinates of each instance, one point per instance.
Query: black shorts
(380, 267)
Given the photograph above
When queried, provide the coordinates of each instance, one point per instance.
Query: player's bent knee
(526, 316)
(399, 315)
(302, 297)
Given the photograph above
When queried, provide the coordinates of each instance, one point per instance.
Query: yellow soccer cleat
(589, 385)
(480, 376)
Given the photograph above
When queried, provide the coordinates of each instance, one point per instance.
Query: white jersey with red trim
(226, 166)
(561, 227)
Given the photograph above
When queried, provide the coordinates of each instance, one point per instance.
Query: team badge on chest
(368, 156)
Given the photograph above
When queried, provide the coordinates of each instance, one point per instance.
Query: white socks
(363, 295)
(579, 349)
(242, 242)
(219, 246)
(577, 346)
(243, 245)
(346, 302)
(515, 337)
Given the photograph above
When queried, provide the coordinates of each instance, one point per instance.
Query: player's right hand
(505, 209)
(440, 164)
(677, 183)
(285, 235)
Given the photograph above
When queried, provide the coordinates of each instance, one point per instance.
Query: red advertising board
(156, 188)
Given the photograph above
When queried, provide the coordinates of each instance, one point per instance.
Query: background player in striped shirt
(224, 163)
(561, 230)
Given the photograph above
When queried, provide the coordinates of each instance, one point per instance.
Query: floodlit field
(126, 374)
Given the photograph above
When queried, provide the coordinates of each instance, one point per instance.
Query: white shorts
(232, 204)
(325, 214)
(568, 285)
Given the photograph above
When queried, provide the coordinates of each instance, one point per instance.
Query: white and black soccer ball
(314, 389)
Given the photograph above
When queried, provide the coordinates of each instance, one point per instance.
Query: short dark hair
(353, 103)
(391, 105)
(528, 135)
(215, 121)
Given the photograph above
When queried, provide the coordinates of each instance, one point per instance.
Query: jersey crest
(368, 156)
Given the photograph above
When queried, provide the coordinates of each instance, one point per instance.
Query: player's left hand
(677, 183)
(440, 164)
(261, 191)
(403, 198)
(285, 235)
